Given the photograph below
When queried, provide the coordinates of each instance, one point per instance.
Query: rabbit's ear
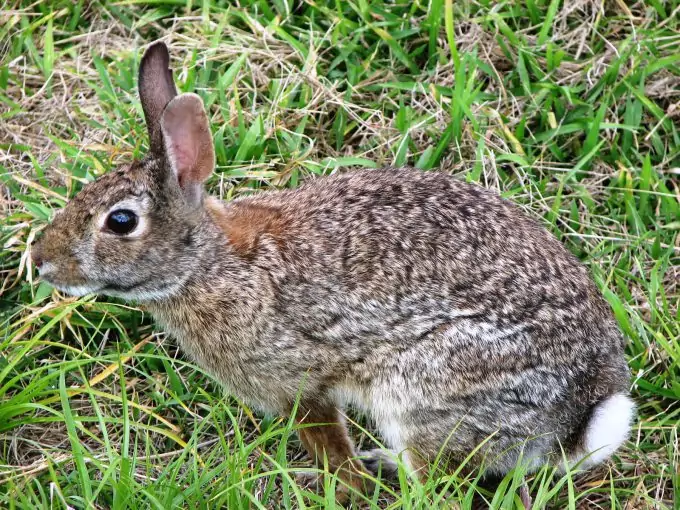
(188, 143)
(156, 89)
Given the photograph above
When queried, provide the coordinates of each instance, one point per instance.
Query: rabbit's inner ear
(188, 143)
(156, 89)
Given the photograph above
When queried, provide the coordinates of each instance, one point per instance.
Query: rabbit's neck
(220, 314)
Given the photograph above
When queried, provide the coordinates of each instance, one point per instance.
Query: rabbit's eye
(121, 221)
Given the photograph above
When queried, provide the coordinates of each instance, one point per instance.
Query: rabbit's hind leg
(324, 434)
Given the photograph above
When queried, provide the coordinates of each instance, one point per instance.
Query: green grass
(570, 109)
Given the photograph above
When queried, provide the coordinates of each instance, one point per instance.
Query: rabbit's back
(408, 252)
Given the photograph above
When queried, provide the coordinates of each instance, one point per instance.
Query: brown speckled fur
(436, 307)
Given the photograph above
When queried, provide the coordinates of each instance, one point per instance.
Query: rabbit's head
(135, 232)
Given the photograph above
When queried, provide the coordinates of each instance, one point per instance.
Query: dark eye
(121, 221)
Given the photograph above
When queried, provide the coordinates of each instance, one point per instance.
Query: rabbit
(460, 326)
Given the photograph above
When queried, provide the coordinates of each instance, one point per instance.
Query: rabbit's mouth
(78, 290)
(73, 290)
(48, 274)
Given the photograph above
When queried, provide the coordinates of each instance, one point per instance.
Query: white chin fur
(141, 295)
(76, 290)
(133, 295)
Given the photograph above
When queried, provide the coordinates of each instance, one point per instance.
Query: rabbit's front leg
(324, 434)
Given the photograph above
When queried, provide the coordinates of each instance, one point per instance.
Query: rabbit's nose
(36, 255)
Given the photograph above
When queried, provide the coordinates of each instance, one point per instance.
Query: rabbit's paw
(380, 463)
(352, 486)
(309, 480)
(348, 488)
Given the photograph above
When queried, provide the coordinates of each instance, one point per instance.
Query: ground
(568, 108)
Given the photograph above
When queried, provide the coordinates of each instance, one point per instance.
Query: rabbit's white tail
(607, 430)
